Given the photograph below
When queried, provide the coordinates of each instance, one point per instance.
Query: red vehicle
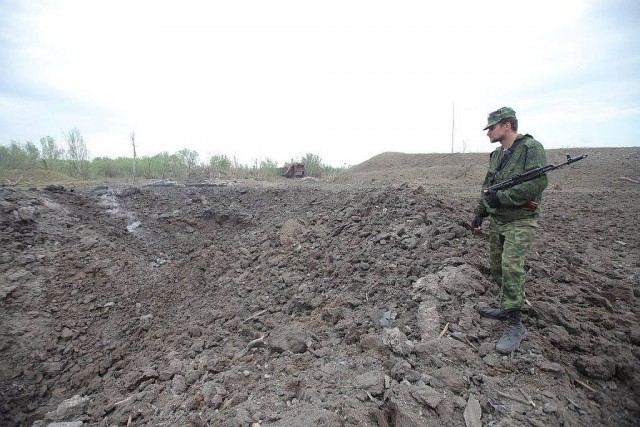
(293, 170)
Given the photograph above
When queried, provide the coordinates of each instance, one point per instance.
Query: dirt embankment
(293, 303)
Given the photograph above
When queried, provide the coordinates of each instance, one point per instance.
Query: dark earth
(345, 301)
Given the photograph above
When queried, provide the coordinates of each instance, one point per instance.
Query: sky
(344, 80)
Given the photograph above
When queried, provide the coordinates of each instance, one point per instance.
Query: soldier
(513, 219)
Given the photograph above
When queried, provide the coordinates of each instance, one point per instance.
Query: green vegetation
(72, 160)
(19, 156)
(312, 165)
(77, 154)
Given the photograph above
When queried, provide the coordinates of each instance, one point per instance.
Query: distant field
(603, 168)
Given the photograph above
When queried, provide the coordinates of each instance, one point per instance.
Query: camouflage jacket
(527, 154)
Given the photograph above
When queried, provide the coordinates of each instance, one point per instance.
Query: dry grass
(25, 178)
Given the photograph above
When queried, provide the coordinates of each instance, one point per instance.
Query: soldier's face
(496, 132)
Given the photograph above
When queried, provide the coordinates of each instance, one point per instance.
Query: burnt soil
(345, 301)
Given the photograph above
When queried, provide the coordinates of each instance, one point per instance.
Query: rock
(243, 417)
(412, 376)
(459, 402)
(450, 378)
(490, 359)
(486, 348)
(445, 409)
(387, 318)
(298, 344)
(552, 315)
(291, 231)
(66, 334)
(372, 382)
(559, 337)
(55, 188)
(70, 409)
(6, 289)
(426, 395)
(308, 415)
(399, 370)
(404, 413)
(66, 424)
(178, 384)
(458, 279)
(456, 348)
(52, 368)
(428, 319)
(473, 412)
(596, 367)
(26, 214)
(428, 348)
(289, 338)
(409, 243)
(429, 287)
(213, 394)
(371, 342)
(626, 369)
(397, 341)
(18, 275)
(551, 367)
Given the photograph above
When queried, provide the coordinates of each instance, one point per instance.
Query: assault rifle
(529, 175)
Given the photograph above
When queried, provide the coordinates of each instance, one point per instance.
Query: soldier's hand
(477, 222)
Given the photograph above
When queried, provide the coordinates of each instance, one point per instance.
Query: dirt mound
(604, 168)
(309, 303)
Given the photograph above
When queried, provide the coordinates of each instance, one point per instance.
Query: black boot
(493, 313)
(513, 335)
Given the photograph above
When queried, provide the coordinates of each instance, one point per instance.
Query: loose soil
(345, 301)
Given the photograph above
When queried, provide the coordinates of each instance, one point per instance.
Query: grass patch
(25, 178)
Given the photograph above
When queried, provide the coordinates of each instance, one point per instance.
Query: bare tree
(77, 153)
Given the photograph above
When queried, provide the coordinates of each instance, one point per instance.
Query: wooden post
(132, 135)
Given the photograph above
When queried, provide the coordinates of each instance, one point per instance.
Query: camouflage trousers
(508, 244)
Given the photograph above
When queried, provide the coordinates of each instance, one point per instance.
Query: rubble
(299, 303)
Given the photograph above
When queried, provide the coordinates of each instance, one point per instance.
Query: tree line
(72, 158)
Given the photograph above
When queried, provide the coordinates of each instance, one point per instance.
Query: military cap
(496, 116)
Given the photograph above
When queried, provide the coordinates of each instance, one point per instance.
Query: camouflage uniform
(513, 227)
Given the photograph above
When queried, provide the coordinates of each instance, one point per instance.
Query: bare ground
(342, 302)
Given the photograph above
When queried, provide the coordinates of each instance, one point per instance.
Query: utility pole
(453, 125)
(132, 135)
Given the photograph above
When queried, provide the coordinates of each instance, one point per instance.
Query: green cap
(498, 115)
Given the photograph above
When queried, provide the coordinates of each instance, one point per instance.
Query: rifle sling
(506, 154)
